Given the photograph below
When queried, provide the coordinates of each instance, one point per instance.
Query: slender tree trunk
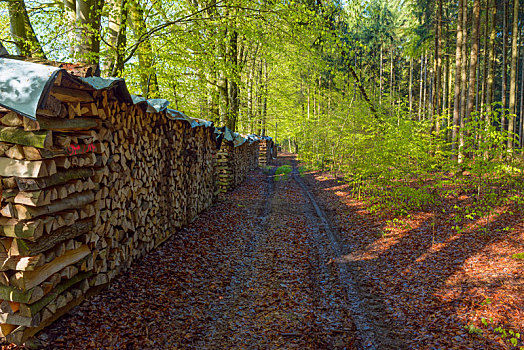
(463, 82)
(420, 87)
(391, 92)
(438, 67)
(521, 114)
(504, 63)
(22, 32)
(485, 59)
(410, 86)
(148, 77)
(233, 82)
(491, 60)
(117, 36)
(473, 61)
(458, 70)
(87, 43)
(513, 75)
(425, 84)
(380, 79)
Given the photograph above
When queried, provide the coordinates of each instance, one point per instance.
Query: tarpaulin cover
(99, 83)
(232, 136)
(157, 105)
(24, 86)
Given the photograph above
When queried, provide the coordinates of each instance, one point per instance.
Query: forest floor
(447, 289)
(266, 267)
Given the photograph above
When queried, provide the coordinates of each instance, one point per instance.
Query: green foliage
(282, 172)
(519, 256)
(473, 330)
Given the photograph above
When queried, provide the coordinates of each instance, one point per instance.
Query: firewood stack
(236, 157)
(224, 169)
(93, 184)
(50, 206)
(266, 151)
(244, 159)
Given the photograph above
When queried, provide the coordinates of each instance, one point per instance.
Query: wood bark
(513, 75)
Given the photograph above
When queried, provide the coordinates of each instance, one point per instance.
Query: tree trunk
(485, 59)
(148, 77)
(473, 60)
(87, 42)
(491, 60)
(521, 114)
(410, 86)
(380, 79)
(513, 75)
(233, 91)
(420, 87)
(458, 72)
(463, 81)
(504, 63)
(438, 67)
(117, 36)
(22, 32)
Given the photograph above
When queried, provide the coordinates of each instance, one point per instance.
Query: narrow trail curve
(257, 270)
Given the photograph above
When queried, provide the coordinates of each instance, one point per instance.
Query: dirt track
(260, 269)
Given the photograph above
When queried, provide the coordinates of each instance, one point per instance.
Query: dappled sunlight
(437, 267)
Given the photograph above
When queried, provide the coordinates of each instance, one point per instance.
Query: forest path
(259, 269)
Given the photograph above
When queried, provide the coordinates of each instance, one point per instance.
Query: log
(31, 230)
(15, 152)
(38, 139)
(74, 201)
(71, 95)
(52, 108)
(12, 119)
(33, 153)
(26, 168)
(65, 125)
(49, 241)
(34, 199)
(62, 177)
(20, 263)
(11, 293)
(30, 310)
(19, 320)
(25, 280)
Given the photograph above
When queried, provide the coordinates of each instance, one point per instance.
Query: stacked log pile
(91, 185)
(235, 161)
(224, 169)
(266, 151)
(50, 206)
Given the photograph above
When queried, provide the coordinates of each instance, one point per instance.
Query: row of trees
(208, 57)
(336, 77)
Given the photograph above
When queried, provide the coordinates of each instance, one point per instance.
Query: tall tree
(513, 74)
(458, 76)
(22, 31)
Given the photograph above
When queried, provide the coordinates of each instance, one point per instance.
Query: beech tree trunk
(513, 74)
(458, 80)
(22, 32)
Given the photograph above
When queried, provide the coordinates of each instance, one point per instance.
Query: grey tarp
(118, 84)
(24, 86)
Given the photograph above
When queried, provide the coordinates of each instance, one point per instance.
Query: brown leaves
(436, 280)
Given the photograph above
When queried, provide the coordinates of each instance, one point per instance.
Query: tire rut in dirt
(283, 296)
(372, 323)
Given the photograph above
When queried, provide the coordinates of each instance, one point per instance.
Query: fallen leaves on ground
(446, 289)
